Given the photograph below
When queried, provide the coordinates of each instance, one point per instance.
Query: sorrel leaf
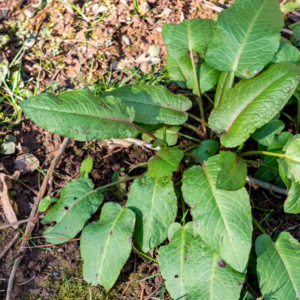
(105, 245)
(232, 171)
(75, 206)
(80, 115)
(179, 69)
(171, 135)
(154, 104)
(191, 35)
(191, 268)
(223, 218)
(253, 103)
(155, 204)
(278, 266)
(245, 37)
(207, 78)
(286, 53)
(164, 162)
(206, 149)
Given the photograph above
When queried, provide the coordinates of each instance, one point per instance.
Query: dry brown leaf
(26, 163)
(5, 202)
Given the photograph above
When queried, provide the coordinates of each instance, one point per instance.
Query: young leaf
(278, 266)
(86, 167)
(266, 134)
(290, 6)
(164, 162)
(191, 35)
(291, 161)
(80, 115)
(223, 218)
(253, 103)
(286, 53)
(154, 104)
(155, 204)
(75, 206)
(105, 245)
(265, 174)
(245, 37)
(171, 135)
(292, 202)
(191, 269)
(232, 171)
(207, 77)
(223, 85)
(206, 149)
(45, 202)
(276, 147)
(179, 69)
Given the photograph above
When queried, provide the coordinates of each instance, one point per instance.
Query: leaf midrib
(215, 196)
(108, 240)
(235, 66)
(88, 115)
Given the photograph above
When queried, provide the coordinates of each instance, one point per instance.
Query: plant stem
(165, 134)
(263, 152)
(142, 129)
(143, 254)
(189, 148)
(298, 118)
(188, 137)
(114, 183)
(195, 157)
(231, 80)
(258, 226)
(199, 99)
(198, 119)
(192, 128)
(248, 161)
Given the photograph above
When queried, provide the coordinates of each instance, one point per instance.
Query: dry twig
(34, 215)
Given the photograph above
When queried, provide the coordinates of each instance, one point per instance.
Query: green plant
(207, 258)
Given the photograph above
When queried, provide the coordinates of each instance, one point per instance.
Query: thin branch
(16, 223)
(33, 214)
(10, 244)
(267, 186)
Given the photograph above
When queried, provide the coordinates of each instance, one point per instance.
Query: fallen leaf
(26, 163)
(5, 202)
(128, 63)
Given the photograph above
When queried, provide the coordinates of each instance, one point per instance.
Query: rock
(297, 233)
(147, 8)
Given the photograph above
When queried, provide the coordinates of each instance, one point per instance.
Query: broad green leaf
(164, 162)
(80, 115)
(266, 134)
(105, 245)
(45, 202)
(223, 218)
(171, 134)
(291, 160)
(290, 6)
(155, 204)
(179, 69)
(253, 103)
(191, 35)
(296, 33)
(278, 267)
(207, 76)
(224, 84)
(75, 206)
(193, 271)
(266, 174)
(86, 167)
(284, 178)
(232, 171)
(206, 149)
(245, 37)
(292, 203)
(276, 147)
(154, 104)
(287, 53)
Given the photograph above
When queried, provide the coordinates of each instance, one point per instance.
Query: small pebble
(126, 39)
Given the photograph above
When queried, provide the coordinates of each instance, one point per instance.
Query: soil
(66, 48)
